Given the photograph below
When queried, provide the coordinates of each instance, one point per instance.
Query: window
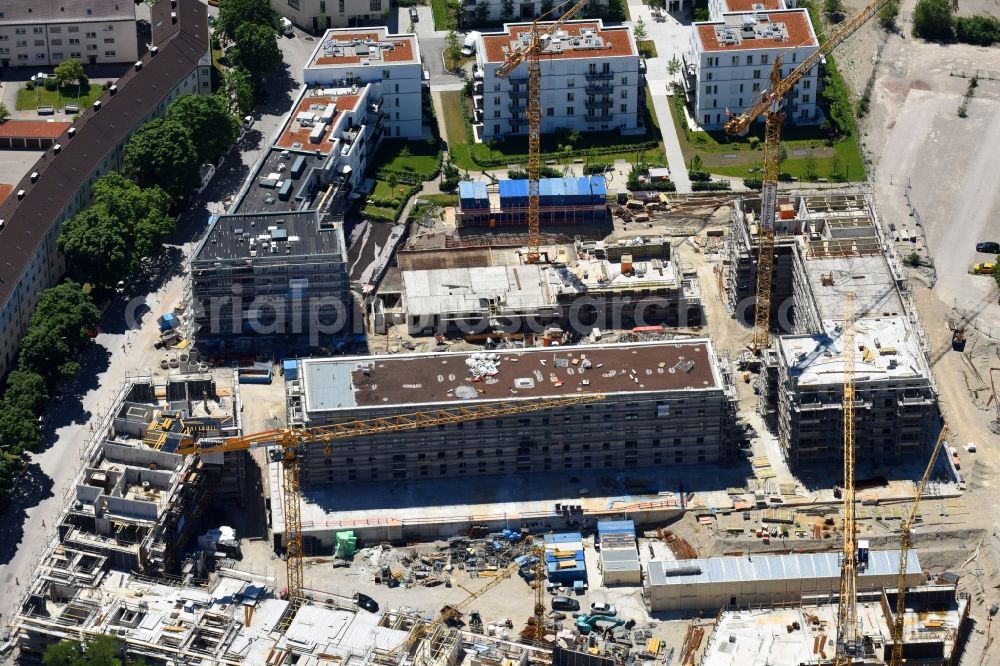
(4, 38)
(624, 94)
(807, 84)
(496, 129)
(569, 111)
(22, 42)
(385, 73)
(91, 35)
(56, 42)
(74, 40)
(550, 112)
(569, 97)
(496, 86)
(496, 102)
(496, 113)
(39, 42)
(109, 28)
(91, 47)
(74, 54)
(756, 87)
(805, 99)
(397, 87)
(38, 30)
(294, 4)
(763, 59)
(375, 5)
(708, 76)
(20, 31)
(708, 119)
(736, 60)
(322, 4)
(749, 59)
(624, 108)
(569, 83)
(39, 56)
(4, 50)
(109, 40)
(708, 90)
(73, 28)
(756, 73)
(109, 54)
(624, 80)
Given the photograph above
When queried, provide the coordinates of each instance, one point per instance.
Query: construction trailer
(564, 562)
(619, 553)
(562, 202)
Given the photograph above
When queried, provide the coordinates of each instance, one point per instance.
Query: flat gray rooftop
(386, 381)
(869, 277)
(268, 235)
(259, 199)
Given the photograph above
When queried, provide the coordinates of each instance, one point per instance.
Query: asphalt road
(124, 347)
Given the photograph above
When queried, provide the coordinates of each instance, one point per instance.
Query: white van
(469, 45)
(286, 27)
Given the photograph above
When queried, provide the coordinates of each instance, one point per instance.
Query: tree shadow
(32, 487)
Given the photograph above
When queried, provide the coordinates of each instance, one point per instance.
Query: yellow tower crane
(904, 551)
(532, 53)
(769, 106)
(287, 445)
(848, 643)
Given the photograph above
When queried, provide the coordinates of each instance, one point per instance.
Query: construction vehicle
(587, 623)
(848, 645)
(906, 541)
(770, 106)
(285, 445)
(532, 53)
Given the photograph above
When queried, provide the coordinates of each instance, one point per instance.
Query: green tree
(28, 390)
(616, 10)
(124, 224)
(834, 8)
(695, 164)
(70, 71)
(162, 153)
(673, 66)
(507, 9)
(4, 113)
(237, 89)
(453, 45)
(59, 327)
(213, 128)
(546, 7)
(234, 13)
(782, 152)
(482, 12)
(255, 49)
(835, 173)
(810, 170)
(97, 651)
(640, 29)
(932, 19)
(887, 15)
(19, 430)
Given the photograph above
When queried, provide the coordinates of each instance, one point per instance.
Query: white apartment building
(391, 63)
(43, 33)
(591, 80)
(731, 60)
(716, 8)
(319, 15)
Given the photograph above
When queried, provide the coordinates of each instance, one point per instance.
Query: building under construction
(562, 201)
(829, 245)
(934, 630)
(590, 284)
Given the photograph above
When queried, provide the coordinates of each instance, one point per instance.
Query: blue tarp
(168, 321)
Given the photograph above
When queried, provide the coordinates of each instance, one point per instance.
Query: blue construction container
(565, 537)
(617, 527)
(598, 190)
(566, 575)
(290, 368)
(472, 195)
(513, 194)
(552, 191)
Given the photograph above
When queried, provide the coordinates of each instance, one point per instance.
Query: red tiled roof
(617, 41)
(293, 134)
(796, 22)
(33, 129)
(747, 5)
(402, 48)
(5, 191)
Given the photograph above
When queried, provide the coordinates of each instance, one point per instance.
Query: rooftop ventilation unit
(138, 65)
(113, 89)
(153, 50)
(71, 132)
(34, 176)
(97, 105)
(173, 17)
(20, 194)
(56, 148)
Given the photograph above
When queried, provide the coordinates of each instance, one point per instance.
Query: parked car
(601, 608)
(366, 602)
(971, 447)
(565, 604)
(983, 268)
(989, 247)
(414, 16)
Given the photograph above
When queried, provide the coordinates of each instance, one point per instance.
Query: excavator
(588, 623)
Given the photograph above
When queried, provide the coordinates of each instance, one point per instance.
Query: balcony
(519, 93)
(605, 103)
(600, 76)
(600, 89)
(517, 108)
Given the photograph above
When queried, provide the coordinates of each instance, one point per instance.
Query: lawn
(440, 10)
(458, 147)
(32, 99)
(419, 158)
(647, 48)
(736, 156)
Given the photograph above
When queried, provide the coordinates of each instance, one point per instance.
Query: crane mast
(848, 645)
(288, 445)
(769, 106)
(904, 551)
(532, 54)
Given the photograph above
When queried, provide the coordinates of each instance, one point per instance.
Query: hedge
(710, 186)
(375, 210)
